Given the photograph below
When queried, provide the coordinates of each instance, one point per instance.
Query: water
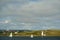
(29, 38)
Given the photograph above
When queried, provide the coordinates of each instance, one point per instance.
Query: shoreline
(29, 33)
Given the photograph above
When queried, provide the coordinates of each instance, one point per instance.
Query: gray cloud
(37, 13)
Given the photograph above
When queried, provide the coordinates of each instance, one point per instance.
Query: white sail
(32, 36)
(42, 33)
(10, 34)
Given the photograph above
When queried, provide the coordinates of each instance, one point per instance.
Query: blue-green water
(29, 38)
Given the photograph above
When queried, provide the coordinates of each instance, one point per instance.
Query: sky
(29, 14)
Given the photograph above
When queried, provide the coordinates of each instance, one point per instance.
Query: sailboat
(10, 34)
(42, 34)
(32, 36)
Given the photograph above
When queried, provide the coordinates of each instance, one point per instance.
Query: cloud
(34, 12)
(43, 8)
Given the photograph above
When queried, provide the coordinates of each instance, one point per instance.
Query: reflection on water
(29, 38)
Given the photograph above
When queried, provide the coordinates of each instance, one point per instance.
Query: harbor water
(29, 38)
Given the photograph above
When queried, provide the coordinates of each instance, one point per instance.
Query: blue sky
(29, 14)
